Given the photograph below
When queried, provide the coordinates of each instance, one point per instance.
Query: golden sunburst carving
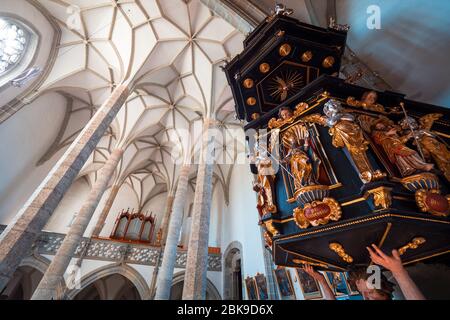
(285, 82)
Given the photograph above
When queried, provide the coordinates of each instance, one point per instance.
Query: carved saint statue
(264, 185)
(432, 148)
(407, 160)
(303, 161)
(347, 134)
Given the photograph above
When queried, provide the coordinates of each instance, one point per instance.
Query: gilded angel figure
(347, 133)
(431, 147)
(407, 160)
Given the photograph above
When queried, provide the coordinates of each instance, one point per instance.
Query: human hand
(392, 263)
(313, 273)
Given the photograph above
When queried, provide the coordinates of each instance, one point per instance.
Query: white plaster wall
(240, 222)
(70, 205)
(157, 206)
(217, 210)
(24, 138)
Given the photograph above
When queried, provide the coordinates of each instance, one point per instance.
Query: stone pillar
(18, 237)
(197, 256)
(164, 280)
(104, 214)
(166, 218)
(162, 240)
(52, 284)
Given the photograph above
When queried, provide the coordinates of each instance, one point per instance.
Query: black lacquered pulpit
(337, 166)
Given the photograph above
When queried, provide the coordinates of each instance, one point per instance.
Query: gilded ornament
(270, 228)
(339, 249)
(307, 56)
(381, 197)
(284, 83)
(251, 101)
(280, 33)
(264, 184)
(268, 239)
(328, 62)
(424, 180)
(299, 108)
(303, 161)
(255, 115)
(428, 142)
(414, 244)
(387, 136)
(317, 213)
(264, 67)
(368, 102)
(285, 50)
(433, 202)
(248, 83)
(304, 262)
(347, 134)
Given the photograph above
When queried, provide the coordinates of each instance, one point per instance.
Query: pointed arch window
(18, 45)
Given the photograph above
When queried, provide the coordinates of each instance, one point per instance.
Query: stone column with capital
(197, 255)
(165, 275)
(17, 239)
(52, 284)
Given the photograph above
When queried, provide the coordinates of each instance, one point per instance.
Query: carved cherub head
(332, 108)
(369, 97)
(285, 113)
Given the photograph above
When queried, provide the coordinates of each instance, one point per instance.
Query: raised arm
(327, 292)
(394, 264)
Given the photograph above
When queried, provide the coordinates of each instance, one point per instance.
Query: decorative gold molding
(414, 244)
(317, 213)
(438, 205)
(339, 249)
(347, 224)
(426, 257)
(381, 197)
(360, 199)
(304, 262)
(385, 234)
(270, 227)
(307, 257)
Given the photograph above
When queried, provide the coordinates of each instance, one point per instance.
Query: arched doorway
(112, 287)
(176, 292)
(232, 272)
(22, 285)
(103, 283)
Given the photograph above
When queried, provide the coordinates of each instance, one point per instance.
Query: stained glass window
(13, 44)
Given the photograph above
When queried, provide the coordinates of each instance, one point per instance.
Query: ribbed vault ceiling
(172, 50)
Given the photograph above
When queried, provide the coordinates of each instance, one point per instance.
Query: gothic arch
(39, 263)
(211, 291)
(128, 272)
(232, 264)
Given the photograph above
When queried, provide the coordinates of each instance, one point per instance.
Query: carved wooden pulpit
(337, 166)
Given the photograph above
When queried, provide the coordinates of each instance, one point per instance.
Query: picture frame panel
(309, 286)
(284, 284)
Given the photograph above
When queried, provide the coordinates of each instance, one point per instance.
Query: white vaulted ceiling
(172, 50)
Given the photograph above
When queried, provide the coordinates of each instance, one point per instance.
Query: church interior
(224, 150)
